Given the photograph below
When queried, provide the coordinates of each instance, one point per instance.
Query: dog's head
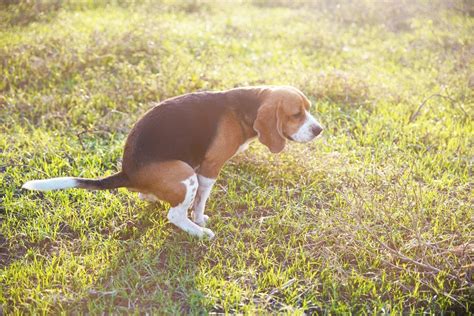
(284, 114)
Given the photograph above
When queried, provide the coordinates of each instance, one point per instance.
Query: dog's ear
(268, 126)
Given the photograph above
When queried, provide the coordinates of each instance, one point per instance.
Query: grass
(376, 217)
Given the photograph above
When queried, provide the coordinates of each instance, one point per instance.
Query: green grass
(375, 217)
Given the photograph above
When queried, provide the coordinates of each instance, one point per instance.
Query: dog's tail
(114, 181)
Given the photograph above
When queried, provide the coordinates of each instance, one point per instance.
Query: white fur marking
(51, 184)
(204, 190)
(305, 132)
(178, 215)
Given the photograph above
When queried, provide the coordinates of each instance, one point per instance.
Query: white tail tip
(50, 184)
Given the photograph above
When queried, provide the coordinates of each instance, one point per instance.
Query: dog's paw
(208, 233)
(203, 222)
(200, 221)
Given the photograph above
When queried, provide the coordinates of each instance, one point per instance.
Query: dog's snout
(317, 129)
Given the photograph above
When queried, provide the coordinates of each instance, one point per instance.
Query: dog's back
(178, 129)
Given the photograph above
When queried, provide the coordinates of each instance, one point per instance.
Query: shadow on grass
(154, 270)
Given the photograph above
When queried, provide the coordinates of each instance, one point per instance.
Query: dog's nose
(317, 130)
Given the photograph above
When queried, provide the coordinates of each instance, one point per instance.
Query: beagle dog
(176, 150)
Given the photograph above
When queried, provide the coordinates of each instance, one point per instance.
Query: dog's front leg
(203, 192)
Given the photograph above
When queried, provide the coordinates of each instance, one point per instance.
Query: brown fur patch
(229, 136)
(164, 180)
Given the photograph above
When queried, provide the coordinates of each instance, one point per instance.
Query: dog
(176, 150)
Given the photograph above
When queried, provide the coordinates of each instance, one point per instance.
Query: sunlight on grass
(375, 217)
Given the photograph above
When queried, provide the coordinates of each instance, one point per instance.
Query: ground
(374, 217)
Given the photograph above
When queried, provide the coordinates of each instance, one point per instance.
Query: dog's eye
(297, 115)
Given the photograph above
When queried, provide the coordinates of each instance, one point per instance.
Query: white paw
(208, 233)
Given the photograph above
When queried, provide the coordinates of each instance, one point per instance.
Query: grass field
(375, 217)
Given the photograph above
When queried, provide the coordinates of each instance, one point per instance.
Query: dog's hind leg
(178, 214)
(174, 182)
